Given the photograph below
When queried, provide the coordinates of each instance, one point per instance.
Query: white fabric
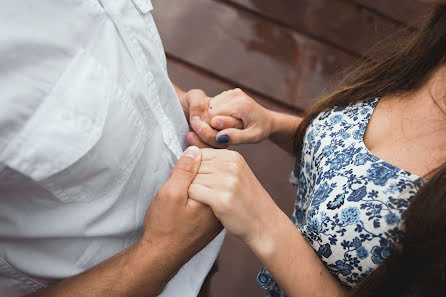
(90, 127)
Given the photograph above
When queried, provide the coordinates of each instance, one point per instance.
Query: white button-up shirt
(90, 127)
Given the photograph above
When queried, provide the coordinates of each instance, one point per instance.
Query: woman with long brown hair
(370, 174)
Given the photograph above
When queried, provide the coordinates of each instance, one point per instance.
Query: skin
(196, 107)
(240, 125)
(416, 143)
(175, 229)
(176, 226)
(417, 140)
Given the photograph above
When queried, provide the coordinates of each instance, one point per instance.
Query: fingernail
(223, 139)
(218, 124)
(192, 152)
(196, 123)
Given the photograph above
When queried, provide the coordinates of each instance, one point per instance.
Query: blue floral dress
(350, 204)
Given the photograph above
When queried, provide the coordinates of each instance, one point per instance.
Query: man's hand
(173, 221)
(196, 107)
(175, 229)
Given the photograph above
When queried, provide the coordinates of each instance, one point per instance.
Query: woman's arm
(291, 260)
(225, 183)
(283, 129)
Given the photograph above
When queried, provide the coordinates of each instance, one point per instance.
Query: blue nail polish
(223, 139)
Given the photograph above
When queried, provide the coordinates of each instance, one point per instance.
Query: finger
(208, 179)
(229, 103)
(225, 122)
(201, 194)
(193, 139)
(237, 136)
(198, 102)
(184, 173)
(206, 133)
(214, 162)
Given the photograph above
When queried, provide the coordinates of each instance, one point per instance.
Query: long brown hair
(398, 65)
(402, 65)
(419, 267)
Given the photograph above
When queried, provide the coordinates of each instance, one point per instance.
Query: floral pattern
(350, 204)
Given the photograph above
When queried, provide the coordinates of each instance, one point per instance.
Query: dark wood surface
(344, 24)
(402, 11)
(279, 63)
(285, 54)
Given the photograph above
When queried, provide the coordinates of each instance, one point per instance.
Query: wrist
(264, 242)
(154, 259)
(272, 122)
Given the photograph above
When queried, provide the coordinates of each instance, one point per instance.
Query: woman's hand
(225, 183)
(257, 120)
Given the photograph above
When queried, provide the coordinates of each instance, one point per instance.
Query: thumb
(237, 136)
(185, 171)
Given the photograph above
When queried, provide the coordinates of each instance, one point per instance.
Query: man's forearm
(140, 270)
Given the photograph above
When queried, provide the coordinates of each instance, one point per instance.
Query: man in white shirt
(90, 128)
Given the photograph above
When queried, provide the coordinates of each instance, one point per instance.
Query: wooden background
(286, 54)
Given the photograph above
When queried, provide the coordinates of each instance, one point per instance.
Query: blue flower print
(381, 173)
(358, 134)
(328, 150)
(364, 111)
(337, 202)
(336, 119)
(362, 253)
(325, 115)
(265, 280)
(321, 194)
(361, 159)
(350, 204)
(379, 254)
(350, 215)
(317, 146)
(314, 226)
(310, 136)
(324, 250)
(344, 134)
(357, 194)
(299, 216)
(341, 160)
(391, 219)
(344, 268)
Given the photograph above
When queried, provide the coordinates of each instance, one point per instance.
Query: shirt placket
(143, 68)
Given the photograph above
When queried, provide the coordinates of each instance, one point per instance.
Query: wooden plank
(249, 50)
(405, 11)
(342, 23)
(238, 266)
(189, 77)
